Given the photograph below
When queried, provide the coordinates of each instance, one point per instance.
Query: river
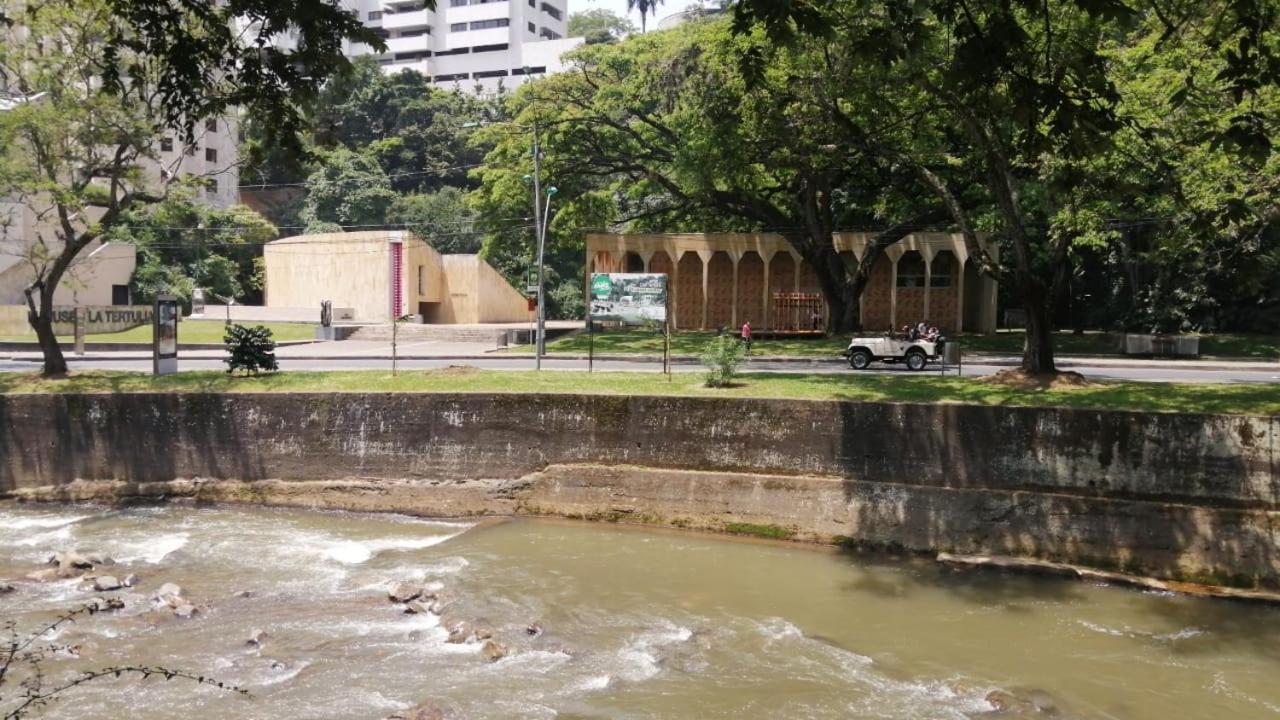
(630, 622)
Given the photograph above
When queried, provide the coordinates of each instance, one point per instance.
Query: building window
(533, 28)
(211, 186)
(415, 33)
(422, 279)
(487, 24)
(119, 294)
(455, 51)
(416, 55)
(488, 48)
(941, 269)
(457, 3)
(166, 144)
(375, 15)
(551, 10)
(911, 271)
(533, 3)
(550, 34)
(458, 27)
(451, 78)
(211, 125)
(489, 74)
(210, 155)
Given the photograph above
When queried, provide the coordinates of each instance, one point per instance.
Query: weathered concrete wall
(1185, 496)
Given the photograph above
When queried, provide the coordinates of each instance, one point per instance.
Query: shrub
(250, 349)
(722, 356)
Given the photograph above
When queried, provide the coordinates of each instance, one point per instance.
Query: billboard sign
(629, 298)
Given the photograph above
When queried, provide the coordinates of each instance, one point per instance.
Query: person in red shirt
(746, 334)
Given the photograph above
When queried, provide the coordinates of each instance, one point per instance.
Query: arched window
(911, 270)
(942, 269)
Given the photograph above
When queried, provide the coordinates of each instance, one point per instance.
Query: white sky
(620, 7)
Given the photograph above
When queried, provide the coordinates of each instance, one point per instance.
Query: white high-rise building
(470, 44)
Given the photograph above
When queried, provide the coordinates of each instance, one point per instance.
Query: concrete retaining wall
(1176, 496)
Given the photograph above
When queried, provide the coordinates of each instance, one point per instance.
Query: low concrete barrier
(1192, 497)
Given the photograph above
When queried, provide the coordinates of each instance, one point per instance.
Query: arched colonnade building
(724, 279)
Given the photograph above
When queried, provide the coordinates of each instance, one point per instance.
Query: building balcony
(408, 44)
(407, 20)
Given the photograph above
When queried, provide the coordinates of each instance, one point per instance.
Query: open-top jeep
(892, 348)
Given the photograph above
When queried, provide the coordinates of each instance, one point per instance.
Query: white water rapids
(635, 624)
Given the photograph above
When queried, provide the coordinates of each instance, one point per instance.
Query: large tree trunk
(1037, 351)
(41, 320)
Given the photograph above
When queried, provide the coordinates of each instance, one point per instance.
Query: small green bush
(722, 356)
(250, 349)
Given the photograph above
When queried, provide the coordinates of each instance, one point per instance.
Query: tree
(183, 245)
(106, 78)
(664, 132)
(442, 218)
(349, 190)
(1030, 87)
(646, 8)
(599, 25)
(418, 132)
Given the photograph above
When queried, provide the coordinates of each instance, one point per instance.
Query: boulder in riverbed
(5, 588)
(169, 589)
(71, 559)
(493, 651)
(130, 580)
(106, 583)
(417, 607)
(186, 610)
(256, 639)
(103, 604)
(459, 632)
(404, 592)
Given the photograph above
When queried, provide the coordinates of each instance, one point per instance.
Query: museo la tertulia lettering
(94, 316)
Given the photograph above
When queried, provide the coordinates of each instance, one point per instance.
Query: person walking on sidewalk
(746, 335)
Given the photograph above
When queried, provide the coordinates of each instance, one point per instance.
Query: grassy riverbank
(1251, 399)
(634, 342)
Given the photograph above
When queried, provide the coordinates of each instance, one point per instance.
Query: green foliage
(722, 357)
(442, 218)
(183, 245)
(599, 25)
(349, 189)
(250, 350)
(417, 132)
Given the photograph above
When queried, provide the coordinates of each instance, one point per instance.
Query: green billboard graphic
(629, 298)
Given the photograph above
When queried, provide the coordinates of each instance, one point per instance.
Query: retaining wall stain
(1183, 496)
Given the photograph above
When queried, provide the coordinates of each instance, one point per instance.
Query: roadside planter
(1161, 345)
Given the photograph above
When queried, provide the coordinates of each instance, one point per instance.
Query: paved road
(1150, 374)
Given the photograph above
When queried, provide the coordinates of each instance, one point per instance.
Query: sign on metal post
(81, 315)
(638, 299)
(629, 298)
(164, 344)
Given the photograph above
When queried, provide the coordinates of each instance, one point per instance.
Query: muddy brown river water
(635, 624)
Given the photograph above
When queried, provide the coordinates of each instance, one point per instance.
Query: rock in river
(105, 583)
(404, 592)
(493, 651)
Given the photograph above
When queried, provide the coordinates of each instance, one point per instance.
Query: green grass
(189, 331)
(635, 342)
(1251, 399)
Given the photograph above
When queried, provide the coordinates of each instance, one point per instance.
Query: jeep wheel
(859, 359)
(916, 360)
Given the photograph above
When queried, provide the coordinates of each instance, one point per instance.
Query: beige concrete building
(723, 279)
(388, 273)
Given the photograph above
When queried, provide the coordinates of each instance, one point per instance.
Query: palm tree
(647, 7)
